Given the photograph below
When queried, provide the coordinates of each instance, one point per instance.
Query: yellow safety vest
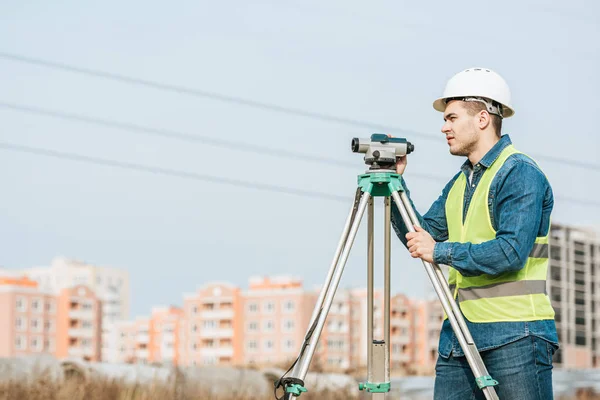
(509, 296)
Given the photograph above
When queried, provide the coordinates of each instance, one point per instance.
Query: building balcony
(217, 314)
(81, 314)
(401, 322)
(81, 332)
(81, 351)
(216, 333)
(142, 338)
(142, 354)
(217, 351)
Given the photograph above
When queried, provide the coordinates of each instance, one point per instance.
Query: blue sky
(380, 62)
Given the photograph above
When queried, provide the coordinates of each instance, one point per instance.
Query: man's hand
(420, 244)
(400, 165)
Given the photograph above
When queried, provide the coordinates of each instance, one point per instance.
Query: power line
(240, 146)
(255, 104)
(203, 177)
(170, 134)
(211, 95)
(171, 172)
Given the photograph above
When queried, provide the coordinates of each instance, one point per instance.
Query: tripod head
(381, 150)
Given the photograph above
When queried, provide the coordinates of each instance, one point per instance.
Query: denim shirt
(520, 203)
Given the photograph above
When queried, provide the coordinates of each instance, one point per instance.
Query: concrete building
(111, 285)
(276, 314)
(28, 317)
(79, 321)
(164, 332)
(574, 289)
(427, 323)
(133, 339)
(212, 330)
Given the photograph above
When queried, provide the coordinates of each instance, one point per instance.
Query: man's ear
(485, 119)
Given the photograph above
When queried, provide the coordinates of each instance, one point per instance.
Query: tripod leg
(484, 381)
(438, 272)
(334, 262)
(380, 349)
(387, 262)
(322, 309)
(370, 284)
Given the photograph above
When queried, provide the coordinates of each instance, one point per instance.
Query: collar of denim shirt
(491, 156)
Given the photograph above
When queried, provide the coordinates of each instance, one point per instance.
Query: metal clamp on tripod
(380, 180)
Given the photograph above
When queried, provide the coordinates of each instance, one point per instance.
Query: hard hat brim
(440, 105)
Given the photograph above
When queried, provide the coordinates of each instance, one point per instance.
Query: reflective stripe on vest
(511, 296)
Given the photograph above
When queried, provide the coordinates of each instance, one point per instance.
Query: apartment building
(212, 329)
(335, 344)
(359, 310)
(111, 285)
(402, 319)
(28, 317)
(36, 321)
(78, 333)
(133, 340)
(276, 314)
(427, 323)
(164, 335)
(574, 289)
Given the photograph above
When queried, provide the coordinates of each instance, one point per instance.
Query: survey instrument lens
(381, 151)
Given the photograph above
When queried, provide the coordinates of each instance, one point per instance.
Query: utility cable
(170, 172)
(203, 177)
(255, 104)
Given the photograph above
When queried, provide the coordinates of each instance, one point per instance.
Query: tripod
(379, 182)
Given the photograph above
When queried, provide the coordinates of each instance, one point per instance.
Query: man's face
(460, 129)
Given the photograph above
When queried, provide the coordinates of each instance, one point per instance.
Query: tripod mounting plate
(380, 183)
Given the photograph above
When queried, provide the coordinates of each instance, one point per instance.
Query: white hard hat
(478, 84)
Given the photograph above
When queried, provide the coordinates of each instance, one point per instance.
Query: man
(490, 225)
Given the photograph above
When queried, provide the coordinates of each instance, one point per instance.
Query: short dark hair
(474, 107)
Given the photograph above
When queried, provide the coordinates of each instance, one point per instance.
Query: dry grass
(104, 389)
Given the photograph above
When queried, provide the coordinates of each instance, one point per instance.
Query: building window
(288, 325)
(288, 344)
(36, 325)
(209, 360)
(269, 307)
(253, 307)
(21, 323)
(209, 324)
(21, 342)
(268, 325)
(86, 343)
(36, 305)
(21, 304)
(252, 345)
(86, 324)
(49, 345)
(49, 326)
(253, 326)
(87, 305)
(269, 345)
(289, 306)
(36, 344)
(50, 306)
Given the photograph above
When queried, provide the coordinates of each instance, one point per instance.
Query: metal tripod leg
(378, 351)
(484, 381)
(327, 294)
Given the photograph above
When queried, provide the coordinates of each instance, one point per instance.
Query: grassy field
(103, 389)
